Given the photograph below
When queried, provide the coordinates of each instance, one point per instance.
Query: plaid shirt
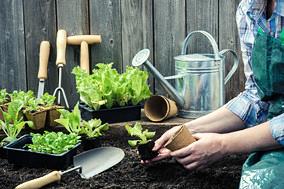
(248, 106)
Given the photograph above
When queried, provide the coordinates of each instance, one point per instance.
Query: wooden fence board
(72, 15)
(169, 32)
(105, 19)
(12, 46)
(126, 26)
(228, 36)
(202, 15)
(137, 33)
(38, 28)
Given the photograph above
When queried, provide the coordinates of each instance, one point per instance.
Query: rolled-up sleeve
(276, 125)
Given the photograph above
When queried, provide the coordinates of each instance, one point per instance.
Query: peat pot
(199, 78)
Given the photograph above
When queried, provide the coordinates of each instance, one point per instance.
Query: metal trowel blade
(97, 160)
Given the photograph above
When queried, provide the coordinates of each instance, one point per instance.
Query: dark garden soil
(129, 173)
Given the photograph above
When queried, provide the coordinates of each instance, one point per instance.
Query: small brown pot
(53, 114)
(38, 118)
(180, 139)
(158, 108)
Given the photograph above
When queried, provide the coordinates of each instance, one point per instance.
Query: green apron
(266, 169)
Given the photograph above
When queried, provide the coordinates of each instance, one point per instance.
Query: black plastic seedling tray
(18, 154)
(113, 115)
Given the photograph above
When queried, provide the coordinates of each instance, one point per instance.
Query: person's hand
(207, 149)
(159, 145)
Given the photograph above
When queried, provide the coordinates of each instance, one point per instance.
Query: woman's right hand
(160, 143)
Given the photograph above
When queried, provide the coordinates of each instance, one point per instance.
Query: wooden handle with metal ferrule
(90, 39)
(44, 51)
(84, 57)
(40, 182)
(61, 40)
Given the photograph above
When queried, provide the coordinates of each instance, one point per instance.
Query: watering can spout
(141, 58)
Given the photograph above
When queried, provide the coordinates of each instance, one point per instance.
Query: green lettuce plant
(70, 120)
(144, 136)
(74, 124)
(109, 88)
(13, 121)
(53, 143)
(4, 96)
(93, 128)
(47, 100)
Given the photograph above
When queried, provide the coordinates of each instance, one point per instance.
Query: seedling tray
(18, 154)
(113, 115)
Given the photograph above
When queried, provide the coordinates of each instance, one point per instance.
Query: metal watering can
(199, 78)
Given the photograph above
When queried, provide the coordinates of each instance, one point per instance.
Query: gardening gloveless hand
(159, 145)
(206, 150)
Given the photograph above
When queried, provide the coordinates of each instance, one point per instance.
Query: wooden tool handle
(84, 57)
(40, 182)
(90, 39)
(44, 52)
(61, 47)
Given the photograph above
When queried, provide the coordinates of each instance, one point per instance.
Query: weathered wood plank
(137, 30)
(202, 15)
(12, 46)
(72, 15)
(228, 38)
(38, 28)
(169, 32)
(105, 19)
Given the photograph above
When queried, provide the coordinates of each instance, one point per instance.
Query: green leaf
(137, 131)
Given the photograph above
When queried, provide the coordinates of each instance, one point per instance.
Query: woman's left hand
(208, 148)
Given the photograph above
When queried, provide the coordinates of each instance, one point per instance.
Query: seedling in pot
(143, 143)
(52, 142)
(13, 122)
(91, 132)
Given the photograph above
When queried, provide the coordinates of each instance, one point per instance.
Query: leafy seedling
(53, 143)
(144, 142)
(70, 120)
(91, 132)
(13, 122)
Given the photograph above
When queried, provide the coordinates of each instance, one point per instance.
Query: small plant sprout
(70, 120)
(13, 122)
(144, 135)
(93, 128)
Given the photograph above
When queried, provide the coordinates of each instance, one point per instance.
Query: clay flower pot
(38, 118)
(145, 151)
(180, 139)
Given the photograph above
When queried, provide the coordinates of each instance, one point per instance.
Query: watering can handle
(236, 63)
(209, 37)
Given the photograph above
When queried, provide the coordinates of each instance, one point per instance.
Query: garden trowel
(44, 51)
(88, 164)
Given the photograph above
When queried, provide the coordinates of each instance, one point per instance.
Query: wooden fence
(126, 27)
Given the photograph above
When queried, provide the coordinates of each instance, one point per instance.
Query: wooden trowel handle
(40, 182)
(61, 41)
(90, 39)
(44, 51)
(84, 57)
